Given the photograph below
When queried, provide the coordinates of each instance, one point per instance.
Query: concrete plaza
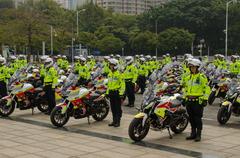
(24, 135)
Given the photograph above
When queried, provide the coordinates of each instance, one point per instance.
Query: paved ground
(32, 136)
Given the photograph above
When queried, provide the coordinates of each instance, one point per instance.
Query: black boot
(113, 123)
(193, 135)
(117, 124)
(198, 138)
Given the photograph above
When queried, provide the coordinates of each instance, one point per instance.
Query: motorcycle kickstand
(170, 135)
(88, 120)
(32, 111)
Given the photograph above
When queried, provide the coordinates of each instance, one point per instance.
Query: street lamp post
(51, 40)
(156, 29)
(226, 31)
(73, 39)
(83, 10)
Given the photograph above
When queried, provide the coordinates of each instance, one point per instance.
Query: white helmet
(21, 57)
(148, 57)
(64, 57)
(59, 56)
(154, 57)
(106, 57)
(76, 58)
(221, 56)
(48, 62)
(114, 62)
(63, 78)
(142, 59)
(118, 56)
(35, 70)
(82, 59)
(195, 62)
(2, 60)
(44, 57)
(129, 60)
(12, 57)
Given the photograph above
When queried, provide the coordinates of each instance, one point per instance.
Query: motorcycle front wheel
(136, 131)
(6, 110)
(223, 115)
(57, 118)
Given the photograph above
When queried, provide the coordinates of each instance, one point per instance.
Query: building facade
(132, 7)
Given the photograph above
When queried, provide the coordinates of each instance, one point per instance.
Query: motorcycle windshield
(70, 81)
(19, 75)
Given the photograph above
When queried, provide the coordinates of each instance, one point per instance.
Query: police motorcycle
(219, 84)
(158, 113)
(79, 103)
(231, 103)
(23, 94)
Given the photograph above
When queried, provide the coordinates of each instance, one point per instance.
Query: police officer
(234, 67)
(50, 80)
(21, 61)
(130, 76)
(106, 69)
(116, 88)
(4, 75)
(142, 74)
(84, 73)
(196, 92)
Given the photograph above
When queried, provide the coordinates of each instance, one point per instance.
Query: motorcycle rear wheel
(102, 112)
(5, 110)
(43, 107)
(57, 118)
(136, 131)
(181, 125)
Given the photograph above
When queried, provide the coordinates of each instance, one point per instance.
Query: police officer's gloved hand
(204, 103)
(122, 97)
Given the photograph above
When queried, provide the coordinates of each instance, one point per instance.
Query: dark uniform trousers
(130, 91)
(195, 112)
(50, 96)
(3, 89)
(115, 102)
(141, 83)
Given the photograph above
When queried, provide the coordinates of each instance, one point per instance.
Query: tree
(6, 4)
(143, 42)
(206, 19)
(110, 44)
(175, 41)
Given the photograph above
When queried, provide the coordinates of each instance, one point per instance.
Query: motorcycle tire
(212, 97)
(102, 114)
(3, 106)
(43, 107)
(176, 129)
(57, 114)
(134, 125)
(223, 115)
